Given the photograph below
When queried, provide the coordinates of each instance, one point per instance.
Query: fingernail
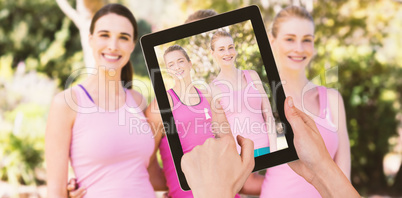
(290, 101)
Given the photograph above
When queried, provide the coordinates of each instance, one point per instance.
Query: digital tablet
(219, 66)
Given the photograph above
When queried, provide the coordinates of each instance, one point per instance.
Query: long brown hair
(127, 71)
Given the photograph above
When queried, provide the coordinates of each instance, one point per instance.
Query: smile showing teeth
(179, 73)
(111, 57)
(297, 58)
(228, 59)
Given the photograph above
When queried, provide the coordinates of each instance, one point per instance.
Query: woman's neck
(105, 82)
(228, 71)
(183, 85)
(294, 82)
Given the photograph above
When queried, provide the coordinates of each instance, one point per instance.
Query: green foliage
(218, 5)
(137, 59)
(143, 85)
(354, 36)
(24, 102)
(20, 159)
(39, 32)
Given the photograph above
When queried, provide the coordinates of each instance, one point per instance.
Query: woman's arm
(220, 125)
(342, 156)
(156, 175)
(253, 184)
(57, 143)
(266, 111)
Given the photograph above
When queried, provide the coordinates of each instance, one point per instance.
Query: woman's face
(224, 51)
(293, 46)
(177, 64)
(112, 41)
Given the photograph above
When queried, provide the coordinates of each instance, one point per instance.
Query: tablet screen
(219, 70)
(193, 69)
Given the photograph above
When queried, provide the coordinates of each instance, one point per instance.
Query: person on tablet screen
(242, 97)
(191, 111)
(292, 41)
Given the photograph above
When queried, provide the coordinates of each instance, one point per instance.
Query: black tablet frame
(252, 13)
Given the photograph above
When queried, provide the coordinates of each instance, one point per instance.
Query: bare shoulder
(254, 75)
(66, 100)
(205, 92)
(64, 106)
(152, 112)
(334, 98)
(214, 88)
(154, 104)
(139, 99)
(336, 105)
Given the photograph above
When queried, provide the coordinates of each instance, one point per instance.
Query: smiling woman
(99, 125)
(236, 83)
(292, 41)
(191, 111)
(112, 41)
(122, 23)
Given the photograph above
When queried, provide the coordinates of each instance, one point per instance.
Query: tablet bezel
(252, 13)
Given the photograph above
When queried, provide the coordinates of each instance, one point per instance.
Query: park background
(358, 47)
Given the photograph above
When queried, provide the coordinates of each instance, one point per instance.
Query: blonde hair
(218, 34)
(176, 48)
(200, 14)
(286, 13)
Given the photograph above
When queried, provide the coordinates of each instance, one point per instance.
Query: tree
(81, 17)
(47, 43)
(137, 59)
(354, 36)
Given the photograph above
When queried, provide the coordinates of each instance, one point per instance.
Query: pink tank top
(110, 151)
(243, 112)
(193, 124)
(282, 181)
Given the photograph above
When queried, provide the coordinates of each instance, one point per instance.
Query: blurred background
(358, 47)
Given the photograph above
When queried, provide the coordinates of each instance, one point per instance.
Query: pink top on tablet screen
(193, 124)
(243, 112)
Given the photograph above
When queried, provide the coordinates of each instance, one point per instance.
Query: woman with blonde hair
(292, 42)
(242, 97)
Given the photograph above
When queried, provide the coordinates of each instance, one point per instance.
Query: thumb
(247, 150)
(297, 118)
(72, 184)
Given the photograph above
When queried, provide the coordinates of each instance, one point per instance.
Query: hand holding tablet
(249, 93)
(315, 164)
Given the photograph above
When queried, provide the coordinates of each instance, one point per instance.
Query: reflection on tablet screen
(218, 75)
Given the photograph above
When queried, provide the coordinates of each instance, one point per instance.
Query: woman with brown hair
(99, 125)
